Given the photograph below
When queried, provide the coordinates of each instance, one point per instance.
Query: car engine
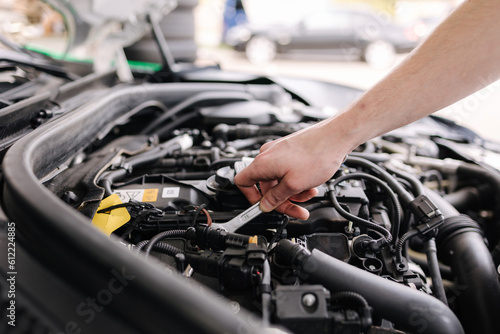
(403, 238)
(120, 214)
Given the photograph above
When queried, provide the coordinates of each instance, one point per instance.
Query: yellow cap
(253, 240)
(110, 221)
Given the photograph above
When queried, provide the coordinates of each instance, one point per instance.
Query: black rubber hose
(488, 176)
(221, 97)
(107, 179)
(432, 262)
(151, 155)
(164, 131)
(418, 187)
(421, 260)
(477, 290)
(162, 235)
(465, 198)
(396, 212)
(242, 131)
(404, 195)
(409, 309)
(492, 179)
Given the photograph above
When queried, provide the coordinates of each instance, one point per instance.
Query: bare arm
(460, 57)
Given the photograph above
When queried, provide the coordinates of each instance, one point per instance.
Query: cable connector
(428, 215)
(216, 239)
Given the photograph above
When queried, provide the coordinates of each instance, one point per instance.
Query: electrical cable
(396, 212)
(198, 210)
(279, 232)
(162, 235)
(161, 247)
(353, 296)
(266, 293)
(401, 242)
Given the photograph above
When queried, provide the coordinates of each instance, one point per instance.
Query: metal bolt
(233, 307)
(308, 300)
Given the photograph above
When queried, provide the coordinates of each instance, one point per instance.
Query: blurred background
(350, 42)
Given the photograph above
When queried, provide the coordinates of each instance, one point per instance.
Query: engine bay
(403, 238)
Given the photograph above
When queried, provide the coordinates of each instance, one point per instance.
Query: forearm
(460, 57)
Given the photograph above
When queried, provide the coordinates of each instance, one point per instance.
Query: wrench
(240, 220)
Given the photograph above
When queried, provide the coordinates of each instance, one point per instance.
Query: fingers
(278, 194)
(252, 174)
(247, 179)
(278, 197)
(277, 184)
(265, 186)
(293, 210)
(251, 193)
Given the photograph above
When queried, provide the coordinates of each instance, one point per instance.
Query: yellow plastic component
(110, 221)
(253, 240)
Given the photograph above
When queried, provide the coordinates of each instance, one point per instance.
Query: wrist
(346, 131)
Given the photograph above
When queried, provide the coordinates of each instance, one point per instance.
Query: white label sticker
(170, 192)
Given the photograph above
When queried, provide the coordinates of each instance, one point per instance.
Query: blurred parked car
(337, 31)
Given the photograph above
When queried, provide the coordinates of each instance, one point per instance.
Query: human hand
(290, 168)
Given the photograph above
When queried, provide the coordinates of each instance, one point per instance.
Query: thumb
(276, 196)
